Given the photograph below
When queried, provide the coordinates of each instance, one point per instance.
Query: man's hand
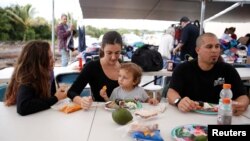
(186, 104)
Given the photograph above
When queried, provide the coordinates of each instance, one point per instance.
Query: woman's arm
(28, 101)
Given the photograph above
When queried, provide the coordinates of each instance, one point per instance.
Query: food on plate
(146, 113)
(122, 116)
(128, 104)
(200, 138)
(131, 105)
(204, 106)
(111, 105)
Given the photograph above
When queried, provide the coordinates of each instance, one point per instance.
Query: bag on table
(148, 58)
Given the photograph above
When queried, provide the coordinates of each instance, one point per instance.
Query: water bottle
(226, 92)
(225, 106)
(225, 112)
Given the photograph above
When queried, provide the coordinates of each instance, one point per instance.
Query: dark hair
(111, 37)
(248, 41)
(184, 19)
(135, 70)
(32, 69)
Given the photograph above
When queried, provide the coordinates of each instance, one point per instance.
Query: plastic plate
(211, 111)
(189, 132)
(138, 106)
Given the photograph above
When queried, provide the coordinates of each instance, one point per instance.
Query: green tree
(5, 27)
(41, 28)
(21, 15)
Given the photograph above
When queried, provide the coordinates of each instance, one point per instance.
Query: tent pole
(53, 30)
(203, 7)
(224, 11)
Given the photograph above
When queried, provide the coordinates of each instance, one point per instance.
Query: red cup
(80, 63)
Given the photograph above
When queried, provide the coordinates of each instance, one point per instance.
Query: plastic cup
(80, 63)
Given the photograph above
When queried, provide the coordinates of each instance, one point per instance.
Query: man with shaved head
(202, 78)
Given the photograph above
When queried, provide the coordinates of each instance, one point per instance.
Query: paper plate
(138, 106)
(189, 132)
(209, 111)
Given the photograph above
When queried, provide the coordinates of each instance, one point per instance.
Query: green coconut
(122, 116)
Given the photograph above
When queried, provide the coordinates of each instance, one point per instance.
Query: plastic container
(80, 63)
(225, 112)
(225, 106)
(226, 92)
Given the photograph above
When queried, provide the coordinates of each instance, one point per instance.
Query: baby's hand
(153, 101)
(103, 93)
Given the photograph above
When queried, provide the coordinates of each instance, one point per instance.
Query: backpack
(148, 58)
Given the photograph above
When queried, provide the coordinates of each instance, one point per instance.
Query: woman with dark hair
(32, 87)
(99, 73)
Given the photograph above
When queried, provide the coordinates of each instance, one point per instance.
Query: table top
(48, 125)
(92, 125)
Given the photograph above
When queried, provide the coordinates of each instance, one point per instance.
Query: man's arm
(240, 105)
(178, 48)
(184, 104)
(62, 33)
(172, 95)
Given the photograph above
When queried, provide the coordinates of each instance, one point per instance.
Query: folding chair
(3, 87)
(68, 79)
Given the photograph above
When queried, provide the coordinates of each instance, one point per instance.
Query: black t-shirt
(93, 74)
(189, 80)
(28, 100)
(189, 34)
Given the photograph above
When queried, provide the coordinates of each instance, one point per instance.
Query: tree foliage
(17, 23)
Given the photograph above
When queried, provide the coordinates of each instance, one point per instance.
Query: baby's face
(125, 79)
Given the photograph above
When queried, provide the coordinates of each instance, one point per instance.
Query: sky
(43, 8)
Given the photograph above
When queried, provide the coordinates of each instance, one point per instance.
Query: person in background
(189, 34)
(232, 32)
(226, 36)
(201, 79)
(166, 45)
(129, 79)
(99, 73)
(32, 86)
(63, 33)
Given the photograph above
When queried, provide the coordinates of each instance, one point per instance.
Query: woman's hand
(61, 93)
(86, 102)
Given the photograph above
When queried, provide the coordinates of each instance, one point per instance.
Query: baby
(129, 79)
